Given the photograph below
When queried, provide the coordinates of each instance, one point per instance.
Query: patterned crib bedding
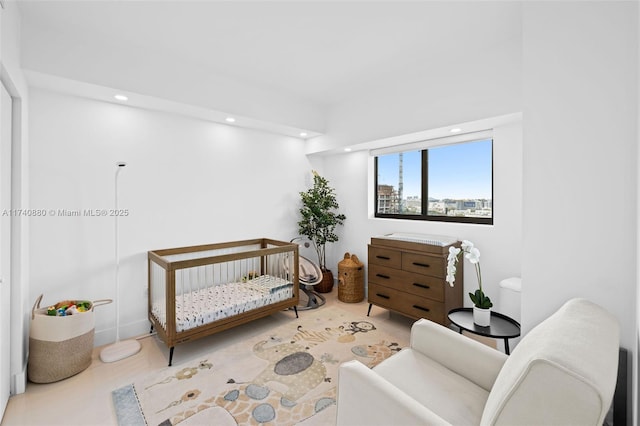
(221, 301)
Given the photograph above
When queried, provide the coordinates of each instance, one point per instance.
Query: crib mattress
(220, 301)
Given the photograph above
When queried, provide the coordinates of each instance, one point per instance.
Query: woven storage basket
(326, 285)
(60, 347)
(350, 279)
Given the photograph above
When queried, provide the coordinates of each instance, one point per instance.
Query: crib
(200, 290)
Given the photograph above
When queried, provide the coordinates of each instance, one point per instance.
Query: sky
(455, 171)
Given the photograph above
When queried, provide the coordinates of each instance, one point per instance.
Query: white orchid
(453, 253)
(452, 259)
(472, 254)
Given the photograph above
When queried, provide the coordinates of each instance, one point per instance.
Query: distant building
(387, 199)
(388, 202)
(468, 204)
(413, 205)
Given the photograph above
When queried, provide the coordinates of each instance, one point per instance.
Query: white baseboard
(19, 382)
(134, 329)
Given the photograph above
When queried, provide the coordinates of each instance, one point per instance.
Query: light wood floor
(85, 399)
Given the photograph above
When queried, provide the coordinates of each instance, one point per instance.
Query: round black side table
(500, 325)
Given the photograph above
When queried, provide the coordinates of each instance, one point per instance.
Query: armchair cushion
(451, 396)
(367, 399)
(458, 353)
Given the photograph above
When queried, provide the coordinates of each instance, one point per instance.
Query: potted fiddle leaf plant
(481, 302)
(319, 219)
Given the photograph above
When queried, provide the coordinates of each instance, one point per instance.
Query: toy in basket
(61, 339)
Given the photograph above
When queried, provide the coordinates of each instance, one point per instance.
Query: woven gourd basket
(350, 279)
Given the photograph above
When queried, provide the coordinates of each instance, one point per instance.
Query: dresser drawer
(418, 284)
(423, 286)
(389, 277)
(424, 264)
(406, 303)
(385, 257)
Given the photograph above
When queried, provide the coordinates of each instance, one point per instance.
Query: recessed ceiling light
(303, 134)
(347, 149)
(121, 97)
(455, 130)
(230, 120)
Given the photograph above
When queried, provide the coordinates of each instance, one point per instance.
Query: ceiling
(320, 53)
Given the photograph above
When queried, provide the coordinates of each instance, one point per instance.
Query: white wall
(580, 145)
(500, 244)
(580, 148)
(187, 182)
(13, 79)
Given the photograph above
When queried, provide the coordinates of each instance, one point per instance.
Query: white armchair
(563, 372)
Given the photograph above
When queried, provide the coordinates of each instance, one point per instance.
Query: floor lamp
(120, 349)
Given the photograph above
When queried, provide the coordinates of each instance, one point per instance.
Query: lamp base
(120, 350)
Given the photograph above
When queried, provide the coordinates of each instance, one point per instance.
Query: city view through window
(457, 181)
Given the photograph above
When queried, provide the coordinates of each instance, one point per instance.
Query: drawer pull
(421, 308)
(421, 285)
(424, 265)
(386, 277)
(383, 257)
(384, 296)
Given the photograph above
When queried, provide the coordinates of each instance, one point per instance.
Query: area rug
(284, 377)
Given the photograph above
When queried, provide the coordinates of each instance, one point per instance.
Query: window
(452, 183)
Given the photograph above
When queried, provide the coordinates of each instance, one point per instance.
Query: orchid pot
(481, 317)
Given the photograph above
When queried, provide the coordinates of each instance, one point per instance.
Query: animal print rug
(285, 377)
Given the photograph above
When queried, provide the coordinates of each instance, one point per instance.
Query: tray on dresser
(438, 244)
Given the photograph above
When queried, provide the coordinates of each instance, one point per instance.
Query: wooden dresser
(409, 278)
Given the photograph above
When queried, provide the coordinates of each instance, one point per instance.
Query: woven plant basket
(326, 285)
(60, 347)
(350, 279)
